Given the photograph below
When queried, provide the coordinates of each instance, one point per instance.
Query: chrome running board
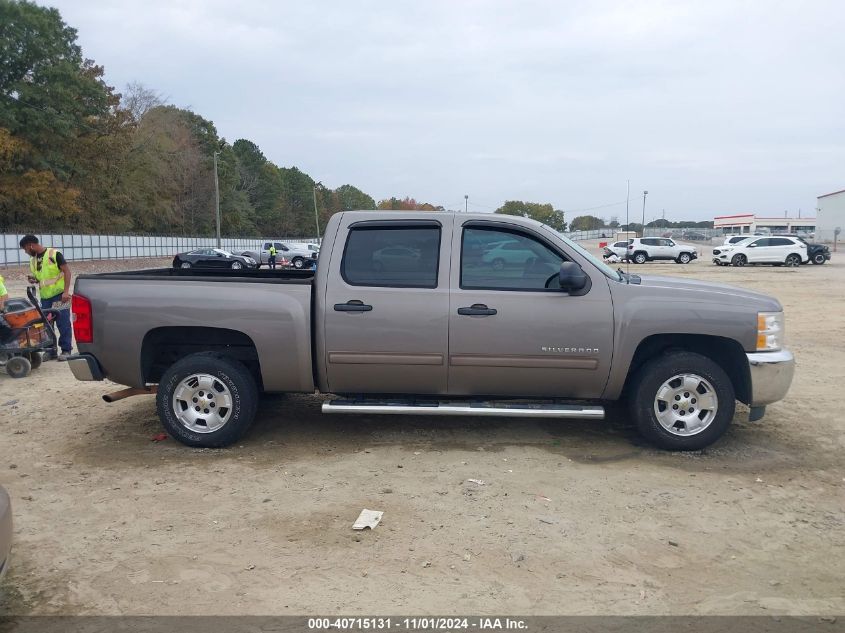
(476, 408)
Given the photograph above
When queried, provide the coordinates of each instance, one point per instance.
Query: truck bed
(142, 318)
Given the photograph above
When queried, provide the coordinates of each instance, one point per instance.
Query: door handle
(353, 305)
(477, 309)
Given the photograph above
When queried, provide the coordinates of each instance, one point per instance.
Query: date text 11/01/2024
(417, 624)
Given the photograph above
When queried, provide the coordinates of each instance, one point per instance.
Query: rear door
(782, 247)
(387, 307)
(510, 334)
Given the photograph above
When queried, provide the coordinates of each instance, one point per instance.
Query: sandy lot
(573, 517)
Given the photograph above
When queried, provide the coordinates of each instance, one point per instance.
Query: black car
(818, 253)
(214, 258)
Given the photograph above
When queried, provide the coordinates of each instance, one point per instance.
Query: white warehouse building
(830, 215)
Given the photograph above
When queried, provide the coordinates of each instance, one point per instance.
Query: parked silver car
(294, 252)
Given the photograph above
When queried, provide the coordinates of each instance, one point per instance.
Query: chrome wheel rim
(739, 261)
(202, 403)
(186, 265)
(297, 263)
(686, 404)
(685, 259)
(792, 260)
(236, 265)
(640, 259)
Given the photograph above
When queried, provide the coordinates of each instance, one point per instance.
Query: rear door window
(403, 257)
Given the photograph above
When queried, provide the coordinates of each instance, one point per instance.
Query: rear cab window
(392, 256)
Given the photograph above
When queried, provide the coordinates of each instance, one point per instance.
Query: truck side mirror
(572, 277)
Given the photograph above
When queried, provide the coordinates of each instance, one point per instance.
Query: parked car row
(296, 256)
(778, 250)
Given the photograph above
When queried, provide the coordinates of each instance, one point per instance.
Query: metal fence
(589, 235)
(90, 247)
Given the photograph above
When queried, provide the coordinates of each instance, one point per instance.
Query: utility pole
(217, 199)
(466, 203)
(645, 193)
(316, 217)
(627, 197)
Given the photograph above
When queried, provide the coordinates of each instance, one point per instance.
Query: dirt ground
(572, 517)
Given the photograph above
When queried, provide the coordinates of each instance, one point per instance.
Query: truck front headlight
(769, 331)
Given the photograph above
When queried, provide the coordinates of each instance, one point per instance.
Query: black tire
(236, 378)
(18, 367)
(793, 260)
(684, 258)
(651, 377)
(298, 262)
(819, 259)
(739, 260)
(640, 258)
(35, 360)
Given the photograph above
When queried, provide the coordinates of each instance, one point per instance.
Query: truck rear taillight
(83, 326)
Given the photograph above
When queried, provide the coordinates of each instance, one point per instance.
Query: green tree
(351, 198)
(587, 223)
(54, 102)
(544, 213)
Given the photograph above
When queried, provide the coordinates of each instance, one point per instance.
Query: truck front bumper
(771, 375)
(85, 367)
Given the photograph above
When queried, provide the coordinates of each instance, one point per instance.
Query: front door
(758, 250)
(512, 331)
(386, 308)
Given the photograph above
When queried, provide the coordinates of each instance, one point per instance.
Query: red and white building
(752, 223)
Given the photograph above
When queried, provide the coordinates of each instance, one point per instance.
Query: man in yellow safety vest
(4, 294)
(48, 268)
(271, 261)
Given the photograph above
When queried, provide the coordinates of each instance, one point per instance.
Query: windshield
(604, 268)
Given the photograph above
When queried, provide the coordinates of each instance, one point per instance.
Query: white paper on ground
(367, 519)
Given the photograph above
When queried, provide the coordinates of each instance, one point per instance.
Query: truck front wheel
(682, 401)
(207, 400)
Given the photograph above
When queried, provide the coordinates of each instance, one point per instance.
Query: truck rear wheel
(682, 401)
(207, 400)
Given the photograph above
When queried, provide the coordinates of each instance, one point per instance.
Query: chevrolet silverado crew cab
(411, 315)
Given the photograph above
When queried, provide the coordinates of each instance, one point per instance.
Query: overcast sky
(719, 106)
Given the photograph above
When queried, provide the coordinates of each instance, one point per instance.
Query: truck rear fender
(164, 346)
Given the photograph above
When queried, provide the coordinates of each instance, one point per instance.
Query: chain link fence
(77, 247)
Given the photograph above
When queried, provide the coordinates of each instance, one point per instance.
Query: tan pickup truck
(436, 314)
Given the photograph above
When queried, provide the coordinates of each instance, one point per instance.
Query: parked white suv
(645, 249)
(762, 250)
